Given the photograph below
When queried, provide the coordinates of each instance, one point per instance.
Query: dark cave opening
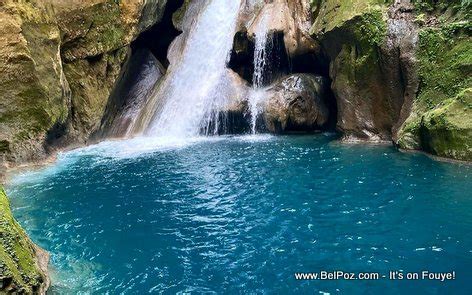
(146, 64)
(310, 63)
(242, 57)
(158, 38)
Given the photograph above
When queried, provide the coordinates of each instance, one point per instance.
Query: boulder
(446, 131)
(296, 103)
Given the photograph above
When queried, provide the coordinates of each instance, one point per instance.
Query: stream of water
(194, 87)
(262, 50)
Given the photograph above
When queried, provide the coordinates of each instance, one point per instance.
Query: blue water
(243, 214)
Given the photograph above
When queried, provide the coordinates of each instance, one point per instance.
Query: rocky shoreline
(23, 264)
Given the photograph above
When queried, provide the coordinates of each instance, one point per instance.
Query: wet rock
(439, 121)
(296, 103)
(290, 17)
(447, 130)
(372, 64)
(129, 96)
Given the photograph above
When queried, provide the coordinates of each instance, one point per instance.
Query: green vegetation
(19, 271)
(441, 120)
(333, 14)
(447, 130)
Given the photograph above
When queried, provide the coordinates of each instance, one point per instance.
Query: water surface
(233, 215)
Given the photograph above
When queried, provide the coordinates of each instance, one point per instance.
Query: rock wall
(400, 71)
(34, 94)
(370, 66)
(59, 63)
(441, 118)
(23, 265)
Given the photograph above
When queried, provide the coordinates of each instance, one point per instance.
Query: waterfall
(194, 88)
(263, 47)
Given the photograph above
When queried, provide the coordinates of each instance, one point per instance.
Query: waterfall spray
(194, 86)
(263, 48)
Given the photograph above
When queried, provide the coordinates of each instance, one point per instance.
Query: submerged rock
(296, 103)
(23, 265)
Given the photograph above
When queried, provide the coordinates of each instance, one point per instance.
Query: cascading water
(194, 87)
(263, 47)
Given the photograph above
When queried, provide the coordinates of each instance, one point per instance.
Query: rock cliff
(59, 63)
(440, 121)
(400, 71)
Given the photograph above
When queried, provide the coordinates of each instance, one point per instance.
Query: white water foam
(126, 149)
(194, 87)
(263, 47)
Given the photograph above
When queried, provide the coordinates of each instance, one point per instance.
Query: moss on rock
(31, 77)
(92, 81)
(45, 45)
(20, 269)
(332, 14)
(445, 73)
(353, 35)
(447, 130)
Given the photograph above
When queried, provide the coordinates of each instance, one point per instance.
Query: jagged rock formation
(23, 265)
(59, 62)
(296, 103)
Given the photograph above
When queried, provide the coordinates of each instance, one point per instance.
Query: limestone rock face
(96, 35)
(372, 63)
(447, 130)
(441, 114)
(34, 92)
(94, 27)
(296, 103)
(290, 17)
(134, 87)
(59, 63)
(400, 71)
